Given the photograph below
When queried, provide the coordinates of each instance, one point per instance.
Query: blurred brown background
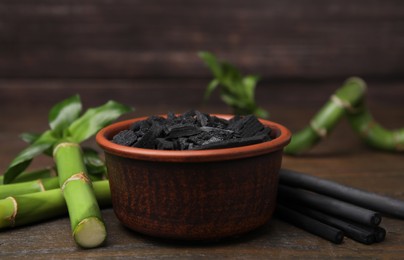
(144, 54)
(311, 39)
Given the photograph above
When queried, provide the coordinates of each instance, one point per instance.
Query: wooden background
(311, 39)
(144, 54)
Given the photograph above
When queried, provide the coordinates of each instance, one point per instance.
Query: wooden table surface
(341, 157)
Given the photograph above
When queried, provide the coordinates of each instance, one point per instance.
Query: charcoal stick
(330, 205)
(309, 224)
(369, 200)
(362, 234)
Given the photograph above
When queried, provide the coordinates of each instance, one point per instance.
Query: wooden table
(341, 157)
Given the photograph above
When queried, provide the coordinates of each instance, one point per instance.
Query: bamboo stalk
(34, 207)
(372, 133)
(329, 115)
(31, 176)
(85, 217)
(28, 187)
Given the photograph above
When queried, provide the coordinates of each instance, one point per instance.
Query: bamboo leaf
(64, 113)
(94, 119)
(213, 64)
(24, 158)
(93, 162)
(249, 83)
(237, 90)
(29, 137)
(211, 87)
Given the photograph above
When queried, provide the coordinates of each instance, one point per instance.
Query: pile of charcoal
(193, 130)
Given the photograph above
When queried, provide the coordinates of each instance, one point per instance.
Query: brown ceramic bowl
(193, 195)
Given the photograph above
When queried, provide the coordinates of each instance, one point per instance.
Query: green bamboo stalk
(28, 187)
(345, 98)
(40, 206)
(31, 176)
(85, 217)
(372, 133)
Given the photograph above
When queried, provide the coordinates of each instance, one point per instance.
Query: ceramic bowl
(193, 195)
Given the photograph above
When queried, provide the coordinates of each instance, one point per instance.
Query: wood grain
(341, 157)
(132, 39)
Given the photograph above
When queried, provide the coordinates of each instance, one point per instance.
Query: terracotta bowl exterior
(193, 195)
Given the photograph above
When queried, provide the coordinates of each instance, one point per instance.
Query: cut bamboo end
(12, 213)
(90, 233)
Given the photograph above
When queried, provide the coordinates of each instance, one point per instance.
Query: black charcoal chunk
(148, 140)
(178, 130)
(125, 137)
(236, 142)
(218, 122)
(246, 126)
(201, 118)
(164, 144)
(194, 130)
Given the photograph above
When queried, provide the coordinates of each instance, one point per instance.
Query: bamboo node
(399, 144)
(41, 186)
(65, 144)
(343, 104)
(81, 176)
(321, 132)
(15, 210)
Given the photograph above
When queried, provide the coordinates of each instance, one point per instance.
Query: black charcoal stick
(364, 235)
(309, 224)
(330, 205)
(369, 200)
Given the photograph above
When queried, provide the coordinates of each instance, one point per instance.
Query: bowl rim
(104, 135)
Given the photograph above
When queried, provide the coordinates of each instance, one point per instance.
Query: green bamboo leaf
(93, 162)
(24, 158)
(211, 87)
(259, 112)
(64, 113)
(230, 100)
(29, 137)
(94, 119)
(213, 64)
(249, 83)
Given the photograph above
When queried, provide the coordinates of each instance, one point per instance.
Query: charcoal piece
(247, 126)
(183, 143)
(164, 144)
(125, 137)
(170, 117)
(214, 130)
(213, 139)
(235, 142)
(177, 131)
(189, 113)
(148, 140)
(155, 119)
(200, 138)
(136, 126)
(264, 131)
(215, 121)
(195, 130)
(201, 118)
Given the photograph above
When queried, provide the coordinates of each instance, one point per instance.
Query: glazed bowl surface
(194, 194)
